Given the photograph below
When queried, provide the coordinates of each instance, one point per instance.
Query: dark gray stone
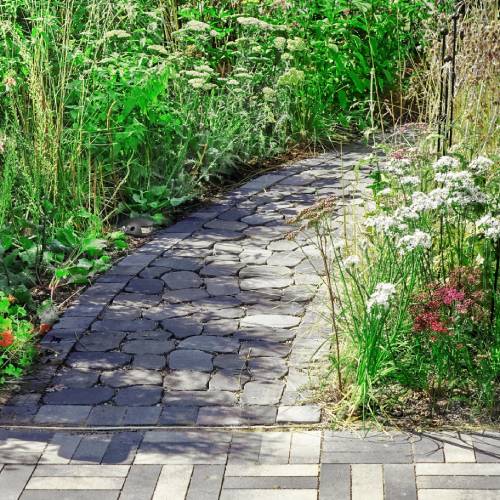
(76, 378)
(179, 263)
(259, 219)
(221, 327)
(139, 395)
(229, 362)
(222, 286)
(235, 214)
(144, 346)
(155, 335)
(199, 398)
(225, 313)
(125, 378)
(149, 362)
(226, 225)
(106, 415)
(182, 327)
(121, 312)
(267, 368)
(215, 235)
(136, 300)
(186, 380)
(122, 448)
(60, 415)
(262, 393)
(227, 381)
(99, 342)
(80, 310)
(178, 280)
(187, 295)
(221, 269)
(153, 272)
(167, 311)
(253, 271)
(190, 360)
(73, 323)
(262, 333)
(114, 325)
(142, 415)
(98, 360)
(178, 415)
(255, 349)
(210, 344)
(79, 396)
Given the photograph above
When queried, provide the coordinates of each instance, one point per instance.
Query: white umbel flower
(411, 242)
(196, 26)
(463, 190)
(446, 163)
(409, 180)
(490, 226)
(385, 224)
(254, 22)
(480, 165)
(382, 296)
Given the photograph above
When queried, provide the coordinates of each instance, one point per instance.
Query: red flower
(44, 328)
(6, 338)
(429, 321)
(450, 294)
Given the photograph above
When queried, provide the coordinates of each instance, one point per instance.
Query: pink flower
(450, 295)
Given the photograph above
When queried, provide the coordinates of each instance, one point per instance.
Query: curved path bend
(214, 323)
(209, 324)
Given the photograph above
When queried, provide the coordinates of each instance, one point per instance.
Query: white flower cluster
(480, 165)
(446, 163)
(490, 226)
(159, 48)
(385, 224)
(409, 180)
(418, 239)
(406, 214)
(280, 43)
(381, 296)
(196, 26)
(268, 93)
(461, 187)
(431, 201)
(116, 34)
(254, 22)
(397, 167)
(296, 44)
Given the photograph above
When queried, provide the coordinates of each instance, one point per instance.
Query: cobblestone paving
(208, 324)
(208, 465)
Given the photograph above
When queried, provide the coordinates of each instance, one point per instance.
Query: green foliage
(136, 105)
(17, 340)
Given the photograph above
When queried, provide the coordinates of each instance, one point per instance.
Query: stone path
(208, 324)
(207, 465)
(214, 323)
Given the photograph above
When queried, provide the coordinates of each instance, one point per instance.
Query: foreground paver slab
(225, 464)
